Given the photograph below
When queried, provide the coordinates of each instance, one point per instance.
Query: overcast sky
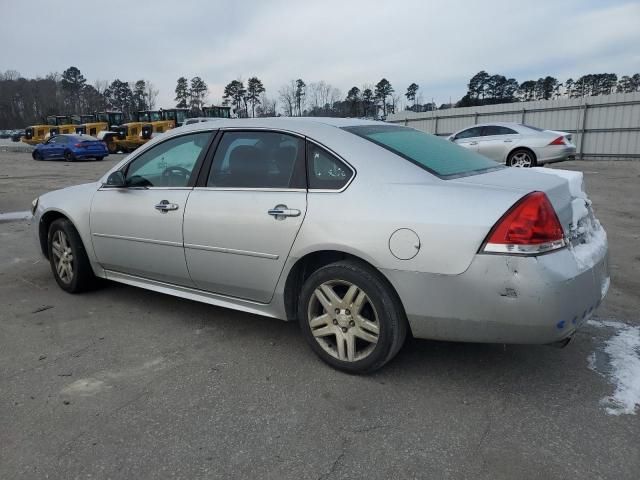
(437, 44)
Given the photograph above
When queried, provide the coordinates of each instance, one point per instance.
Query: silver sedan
(515, 144)
(361, 231)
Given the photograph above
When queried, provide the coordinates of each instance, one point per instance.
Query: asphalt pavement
(125, 383)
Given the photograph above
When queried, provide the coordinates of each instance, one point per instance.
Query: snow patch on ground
(622, 368)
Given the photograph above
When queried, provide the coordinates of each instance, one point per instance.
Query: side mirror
(452, 138)
(115, 180)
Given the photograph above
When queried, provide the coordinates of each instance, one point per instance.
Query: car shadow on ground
(511, 367)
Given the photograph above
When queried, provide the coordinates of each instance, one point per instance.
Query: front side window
(258, 160)
(324, 170)
(168, 164)
(436, 155)
(469, 133)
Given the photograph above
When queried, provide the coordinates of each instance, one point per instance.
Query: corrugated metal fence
(603, 127)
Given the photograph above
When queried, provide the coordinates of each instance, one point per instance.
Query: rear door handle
(508, 140)
(165, 206)
(281, 211)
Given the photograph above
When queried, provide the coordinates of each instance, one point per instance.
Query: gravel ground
(126, 383)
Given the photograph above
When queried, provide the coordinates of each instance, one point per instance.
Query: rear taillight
(530, 227)
(559, 141)
(78, 145)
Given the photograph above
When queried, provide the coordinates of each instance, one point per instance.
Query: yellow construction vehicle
(178, 115)
(217, 112)
(147, 124)
(35, 134)
(102, 126)
(60, 124)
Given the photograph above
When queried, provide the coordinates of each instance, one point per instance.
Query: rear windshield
(441, 157)
(85, 138)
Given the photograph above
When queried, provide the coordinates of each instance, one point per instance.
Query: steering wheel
(175, 170)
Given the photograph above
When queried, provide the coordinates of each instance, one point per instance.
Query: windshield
(181, 116)
(51, 120)
(436, 155)
(143, 116)
(156, 116)
(87, 119)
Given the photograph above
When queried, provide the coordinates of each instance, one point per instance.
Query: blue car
(70, 148)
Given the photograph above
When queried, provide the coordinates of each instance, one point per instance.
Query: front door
(138, 229)
(239, 227)
(469, 138)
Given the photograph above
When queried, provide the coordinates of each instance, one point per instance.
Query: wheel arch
(311, 262)
(46, 220)
(516, 148)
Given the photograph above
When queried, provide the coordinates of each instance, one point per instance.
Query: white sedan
(515, 144)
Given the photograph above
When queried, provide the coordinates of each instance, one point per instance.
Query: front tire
(522, 158)
(68, 258)
(37, 156)
(351, 317)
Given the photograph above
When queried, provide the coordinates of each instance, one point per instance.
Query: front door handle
(164, 206)
(508, 140)
(282, 211)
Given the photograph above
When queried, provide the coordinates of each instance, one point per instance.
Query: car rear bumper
(505, 299)
(555, 153)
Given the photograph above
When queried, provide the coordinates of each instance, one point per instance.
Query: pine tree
(254, 90)
(182, 93)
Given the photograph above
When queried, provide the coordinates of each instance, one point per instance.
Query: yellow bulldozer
(147, 123)
(102, 126)
(35, 134)
(60, 124)
(55, 125)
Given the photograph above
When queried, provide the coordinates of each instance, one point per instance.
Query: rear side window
(436, 155)
(258, 160)
(490, 130)
(324, 170)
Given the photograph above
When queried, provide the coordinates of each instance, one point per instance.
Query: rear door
(469, 138)
(496, 142)
(243, 218)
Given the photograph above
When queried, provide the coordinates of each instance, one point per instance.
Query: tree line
(29, 101)
(486, 89)
(298, 98)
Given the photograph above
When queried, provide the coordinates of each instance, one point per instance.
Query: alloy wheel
(343, 320)
(521, 160)
(62, 256)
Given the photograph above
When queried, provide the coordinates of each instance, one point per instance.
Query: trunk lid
(529, 180)
(565, 190)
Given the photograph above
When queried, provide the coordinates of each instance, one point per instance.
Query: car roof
(302, 125)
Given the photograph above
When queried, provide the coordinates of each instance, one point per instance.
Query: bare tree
(288, 98)
(152, 94)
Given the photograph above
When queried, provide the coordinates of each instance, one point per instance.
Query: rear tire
(99, 158)
(521, 158)
(69, 156)
(68, 258)
(351, 317)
